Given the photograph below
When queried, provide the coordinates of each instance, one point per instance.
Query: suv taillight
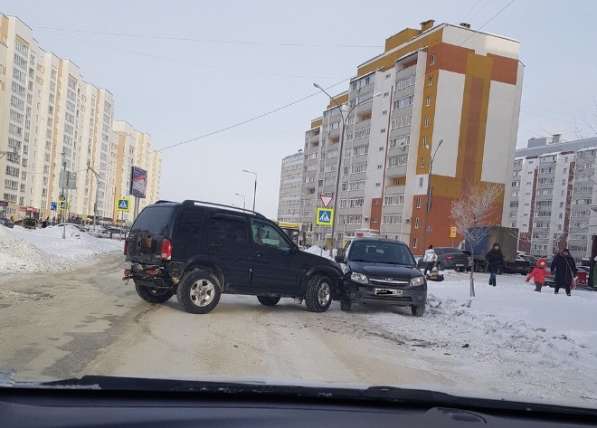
(126, 246)
(166, 249)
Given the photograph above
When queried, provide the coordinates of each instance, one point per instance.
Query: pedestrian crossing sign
(122, 204)
(325, 217)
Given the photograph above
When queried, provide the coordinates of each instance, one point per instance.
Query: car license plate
(459, 265)
(387, 292)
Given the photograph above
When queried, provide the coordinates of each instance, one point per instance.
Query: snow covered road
(510, 343)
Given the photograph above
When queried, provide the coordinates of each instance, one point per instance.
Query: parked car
(382, 271)
(199, 250)
(448, 258)
(29, 223)
(6, 222)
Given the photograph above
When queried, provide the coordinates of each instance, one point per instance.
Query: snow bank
(44, 250)
(319, 251)
(511, 341)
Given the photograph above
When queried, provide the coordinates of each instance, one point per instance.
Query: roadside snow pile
(44, 250)
(318, 251)
(511, 341)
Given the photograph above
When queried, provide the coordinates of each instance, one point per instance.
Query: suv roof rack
(163, 201)
(224, 206)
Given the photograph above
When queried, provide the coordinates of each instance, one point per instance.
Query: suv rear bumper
(367, 293)
(152, 276)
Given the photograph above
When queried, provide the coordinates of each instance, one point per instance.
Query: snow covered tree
(476, 207)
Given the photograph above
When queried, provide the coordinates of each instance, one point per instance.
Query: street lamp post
(345, 117)
(255, 187)
(428, 205)
(241, 195)
(96, 193)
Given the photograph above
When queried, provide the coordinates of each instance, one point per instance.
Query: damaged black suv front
(381, 271)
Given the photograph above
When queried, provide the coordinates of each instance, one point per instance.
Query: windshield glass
(380, 252)
(323, 193)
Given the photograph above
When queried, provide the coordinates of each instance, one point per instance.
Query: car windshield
(380, 252)
(307, 193)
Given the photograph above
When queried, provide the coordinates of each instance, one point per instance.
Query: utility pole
(63, 185)
(429, 192)
(255, 187)
(89, 168)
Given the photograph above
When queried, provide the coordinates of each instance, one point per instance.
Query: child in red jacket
(538, 274)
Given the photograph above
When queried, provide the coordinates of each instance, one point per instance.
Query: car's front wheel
(418, 310)
(153, 295)
(318, 296)
(268, 300)
(199, 292)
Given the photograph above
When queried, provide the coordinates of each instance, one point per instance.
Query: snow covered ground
(44, 250)
(511, 341)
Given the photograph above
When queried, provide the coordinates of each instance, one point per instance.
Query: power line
(206, 41)
(498, 13)
(249, 120)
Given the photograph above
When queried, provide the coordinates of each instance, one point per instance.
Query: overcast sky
(246, 58)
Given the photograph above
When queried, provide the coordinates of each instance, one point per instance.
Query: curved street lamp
(345, 117)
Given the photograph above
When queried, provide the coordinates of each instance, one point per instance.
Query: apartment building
(133, 148)
(56, 137)
(440, 87)
(290, 196)
(553, 187)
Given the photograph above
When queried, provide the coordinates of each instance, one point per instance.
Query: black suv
(200, 250)
(382, 271)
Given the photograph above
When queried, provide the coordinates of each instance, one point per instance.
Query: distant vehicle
(448, 258)
(6, 222)
(200, 250)
(507, 237)
(292, 230)
(29, 223)
(381, 271)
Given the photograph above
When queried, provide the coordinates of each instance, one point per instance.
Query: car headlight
(361, 278)
(418, 280)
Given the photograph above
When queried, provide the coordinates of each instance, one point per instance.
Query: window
(405, 82)
(416, 222)
(432, 59)
(430, 81)
(357, 202)
(427, 122)
(427, 101)
(265, 234)
(154, 220)
(343, 202)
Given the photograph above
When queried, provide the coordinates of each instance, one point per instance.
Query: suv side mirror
(340, 258)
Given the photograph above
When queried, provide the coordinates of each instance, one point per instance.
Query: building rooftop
(538, 147)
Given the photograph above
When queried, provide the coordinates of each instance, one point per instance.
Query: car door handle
(258, 255)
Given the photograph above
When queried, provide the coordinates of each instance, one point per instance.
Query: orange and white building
(439, 83)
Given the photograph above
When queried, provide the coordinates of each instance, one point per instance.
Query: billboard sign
(138, 182)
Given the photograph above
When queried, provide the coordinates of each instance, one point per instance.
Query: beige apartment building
(133, 148)
(440, 89)
(57, 141)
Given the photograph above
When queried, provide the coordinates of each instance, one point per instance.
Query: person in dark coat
(495, 262)
(565, 270)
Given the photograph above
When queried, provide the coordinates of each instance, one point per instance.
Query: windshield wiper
(249, 390)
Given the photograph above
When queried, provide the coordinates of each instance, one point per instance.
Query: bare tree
(476, 207)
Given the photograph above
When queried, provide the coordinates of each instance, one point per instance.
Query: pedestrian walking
(538, 274)
(429, 258)
(565, 270)
(495, 262)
